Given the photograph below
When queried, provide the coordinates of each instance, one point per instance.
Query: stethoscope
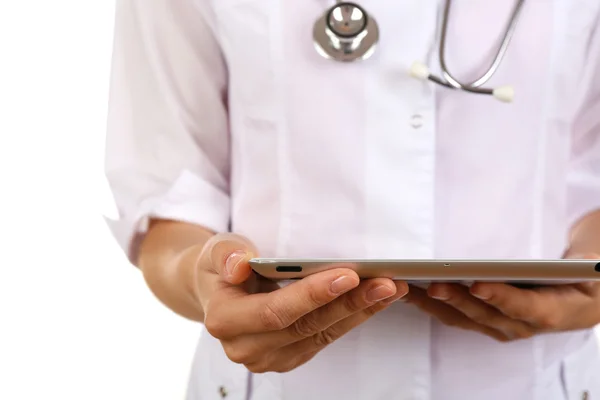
(345, 32)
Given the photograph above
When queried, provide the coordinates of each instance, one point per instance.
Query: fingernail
(233, 261)
(401, 297)
(379, 293)
(481, 293)
(440, 293)
(341, 285)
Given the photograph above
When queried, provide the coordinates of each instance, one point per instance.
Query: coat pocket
(267, 386)
(214, 376)
(581, 371)
(248, 37)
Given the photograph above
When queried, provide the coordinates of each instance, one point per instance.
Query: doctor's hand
(267, 328)
(507, 313)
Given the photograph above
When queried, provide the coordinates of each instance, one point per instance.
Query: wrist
(185, 269)
(169, 259)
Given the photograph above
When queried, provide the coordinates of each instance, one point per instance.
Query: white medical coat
(222, 114)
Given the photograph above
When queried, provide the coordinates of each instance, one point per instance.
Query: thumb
(575, 255)
(229, 257)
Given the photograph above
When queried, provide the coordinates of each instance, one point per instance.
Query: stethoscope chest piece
(346, 32)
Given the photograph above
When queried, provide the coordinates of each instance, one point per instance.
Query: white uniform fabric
(222, 114)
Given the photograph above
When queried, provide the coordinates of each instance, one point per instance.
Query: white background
(76, 321)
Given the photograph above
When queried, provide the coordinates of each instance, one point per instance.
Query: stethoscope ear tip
(419, 70)
(505, 94)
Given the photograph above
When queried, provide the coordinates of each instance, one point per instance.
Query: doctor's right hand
(272, 329)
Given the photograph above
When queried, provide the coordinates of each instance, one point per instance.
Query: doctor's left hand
(507, 313)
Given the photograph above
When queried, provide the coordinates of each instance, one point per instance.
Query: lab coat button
(585, 395)
(416, 121)
(223, 392)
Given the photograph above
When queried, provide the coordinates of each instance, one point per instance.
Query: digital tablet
(528, 272)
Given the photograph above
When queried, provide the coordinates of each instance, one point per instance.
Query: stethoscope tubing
(452, 82)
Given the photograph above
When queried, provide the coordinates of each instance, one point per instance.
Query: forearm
(167, 259)
(585, 235)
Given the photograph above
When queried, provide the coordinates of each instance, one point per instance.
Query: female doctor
(277, 128)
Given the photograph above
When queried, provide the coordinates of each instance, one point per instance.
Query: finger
(368, 293)
(459, 297)
(590, 289)
(324, 338)
(230, 316)
(365, 295)
(573, 254)
(448, 315)
(541, 308)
